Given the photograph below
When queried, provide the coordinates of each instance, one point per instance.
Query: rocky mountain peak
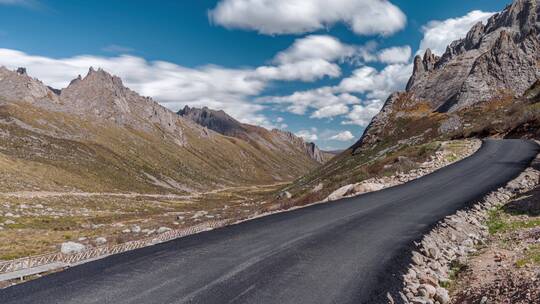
(18, 86)
(422, 65)
(101, 78)
(474, 36)
(520, 16)
(99, 92)
(21, 71)
(501, 56)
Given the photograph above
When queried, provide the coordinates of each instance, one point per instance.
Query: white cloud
(330, 111)
(397, 54)
(318, 99)
(308, 59)
(439, 34)
(343, 136)
(308, 135)
(364, 17)
(377, 84)
(361, 115)
(329, 102)
(306, 70)
(315, 47)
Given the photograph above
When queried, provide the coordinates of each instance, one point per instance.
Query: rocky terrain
(96, 135)
(261, 138)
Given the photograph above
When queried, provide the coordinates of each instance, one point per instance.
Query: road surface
(348, 251)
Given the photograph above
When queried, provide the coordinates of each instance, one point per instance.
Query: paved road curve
(341, 252)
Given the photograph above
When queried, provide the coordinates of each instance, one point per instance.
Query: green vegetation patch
(500, 221)
(531, 257)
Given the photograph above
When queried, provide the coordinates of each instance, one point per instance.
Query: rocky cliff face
(496, 61)
(19, 86)
(218, 121)
(308, 148)
(499, 58)
(275, 140)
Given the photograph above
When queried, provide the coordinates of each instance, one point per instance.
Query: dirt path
(45, 194)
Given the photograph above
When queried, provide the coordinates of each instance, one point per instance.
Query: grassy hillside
(48, 150)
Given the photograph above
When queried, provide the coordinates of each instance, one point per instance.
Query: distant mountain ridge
(98, 135)
(222, 123)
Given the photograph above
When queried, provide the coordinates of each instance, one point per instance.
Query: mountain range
(98, 135)
(275, 139)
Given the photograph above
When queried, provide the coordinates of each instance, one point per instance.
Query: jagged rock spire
(500, 56)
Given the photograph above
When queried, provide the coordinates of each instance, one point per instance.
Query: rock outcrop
(104, 96)
(501, 57)
(218, 121)
(496, 60)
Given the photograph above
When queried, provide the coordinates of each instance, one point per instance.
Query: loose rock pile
(442, 158)
(450, 243)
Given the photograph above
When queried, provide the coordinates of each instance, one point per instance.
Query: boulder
(71, 247)
(163, 230)
(135, 229)
(101, 240)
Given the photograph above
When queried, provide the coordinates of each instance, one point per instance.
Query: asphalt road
(341, 252)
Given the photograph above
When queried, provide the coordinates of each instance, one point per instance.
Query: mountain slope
(486, 84)
(97, 135)
(276, 141)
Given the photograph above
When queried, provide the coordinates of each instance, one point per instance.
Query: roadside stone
(135, 229)
(390, 299)
(71, 247)
(163, 230)
(442, 296)
(427, 291)
(101, 240)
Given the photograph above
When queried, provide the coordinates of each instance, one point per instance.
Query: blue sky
(320, 69)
